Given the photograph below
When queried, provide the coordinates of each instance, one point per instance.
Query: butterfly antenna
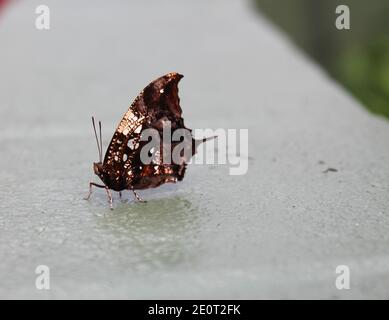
(101, 144)
(97, 140)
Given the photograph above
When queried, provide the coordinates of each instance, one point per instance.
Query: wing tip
(175, 75)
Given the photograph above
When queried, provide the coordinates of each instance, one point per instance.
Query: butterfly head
(98, 168)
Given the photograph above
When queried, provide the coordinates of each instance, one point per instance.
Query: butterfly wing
(161, 103)
(154, 106)
(144, 176)
(119, 152)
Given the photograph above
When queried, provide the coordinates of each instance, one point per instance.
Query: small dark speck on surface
(330, 170)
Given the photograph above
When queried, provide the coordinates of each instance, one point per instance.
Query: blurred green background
(358, 58)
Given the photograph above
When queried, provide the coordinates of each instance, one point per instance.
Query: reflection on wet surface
(158, 233)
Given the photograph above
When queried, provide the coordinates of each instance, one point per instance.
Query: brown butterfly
(123, 168)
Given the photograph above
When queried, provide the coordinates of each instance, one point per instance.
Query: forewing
(119, 151)
(157, 103)
(160, 101)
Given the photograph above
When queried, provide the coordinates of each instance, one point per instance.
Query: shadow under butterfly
(123, 168)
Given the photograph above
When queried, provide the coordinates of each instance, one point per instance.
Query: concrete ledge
(277, 232)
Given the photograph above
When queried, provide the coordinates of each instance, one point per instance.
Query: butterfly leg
(138, 197)
(109, 197)
(90, 189)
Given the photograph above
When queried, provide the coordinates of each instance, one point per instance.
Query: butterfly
(124, 167)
